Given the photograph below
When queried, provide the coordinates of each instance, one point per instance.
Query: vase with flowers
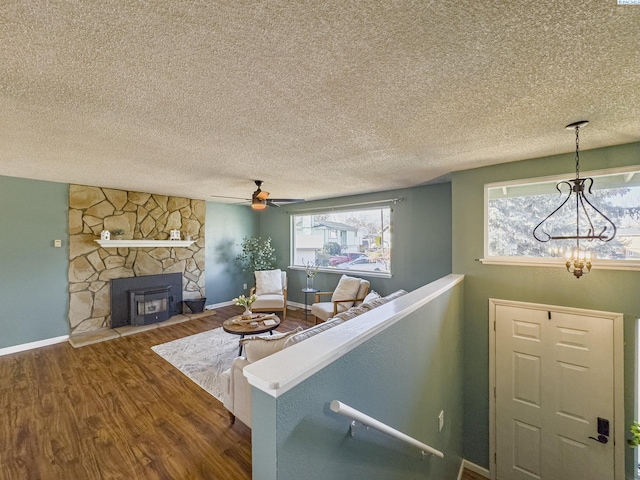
(310, 269)
(245, 302)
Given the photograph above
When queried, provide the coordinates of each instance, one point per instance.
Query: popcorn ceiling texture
(319, 99)
(140, 215)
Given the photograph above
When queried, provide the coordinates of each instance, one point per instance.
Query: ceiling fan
(260, 199)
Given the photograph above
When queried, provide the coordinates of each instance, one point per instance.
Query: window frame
(339, 209)
(608, 264)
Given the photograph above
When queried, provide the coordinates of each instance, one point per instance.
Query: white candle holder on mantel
(174, 235)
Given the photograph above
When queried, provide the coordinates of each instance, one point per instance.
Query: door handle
(600, 439)
(603, 431)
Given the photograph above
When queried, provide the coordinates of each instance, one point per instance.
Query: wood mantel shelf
(144, 243)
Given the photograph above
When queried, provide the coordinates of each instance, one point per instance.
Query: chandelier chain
(577, 152)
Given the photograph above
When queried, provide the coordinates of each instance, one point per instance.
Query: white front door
(554, 391)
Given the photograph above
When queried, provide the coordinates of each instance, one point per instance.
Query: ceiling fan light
(258, 204)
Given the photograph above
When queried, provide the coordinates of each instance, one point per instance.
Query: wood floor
(116, 410)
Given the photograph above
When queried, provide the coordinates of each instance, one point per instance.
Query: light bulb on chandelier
(578, 262)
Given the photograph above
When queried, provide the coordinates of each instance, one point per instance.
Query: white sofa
(236, 388)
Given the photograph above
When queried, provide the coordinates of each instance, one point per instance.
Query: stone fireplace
(141, 216)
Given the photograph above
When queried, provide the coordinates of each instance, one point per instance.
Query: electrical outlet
(441, 420)
(244, 286)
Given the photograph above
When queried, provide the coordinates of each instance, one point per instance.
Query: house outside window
(513, 209)
(345, 241)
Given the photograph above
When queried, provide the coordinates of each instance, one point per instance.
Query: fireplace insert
(145, 299)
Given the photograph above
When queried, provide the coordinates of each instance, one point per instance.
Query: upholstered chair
(271, 289)
(350, 291)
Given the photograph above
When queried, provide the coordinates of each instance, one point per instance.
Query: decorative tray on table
(267, 318)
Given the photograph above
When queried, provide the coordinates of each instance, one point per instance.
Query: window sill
(560, 262)
(360, 273)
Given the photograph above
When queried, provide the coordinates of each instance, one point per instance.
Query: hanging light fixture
(578, 261)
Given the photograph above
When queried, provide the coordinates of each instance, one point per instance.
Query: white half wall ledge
(280, 372)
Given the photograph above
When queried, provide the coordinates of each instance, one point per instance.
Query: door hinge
(494, 325)
(494, 392)
(549, 315)
(495, 457)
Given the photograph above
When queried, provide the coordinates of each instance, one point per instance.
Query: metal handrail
(358, 416)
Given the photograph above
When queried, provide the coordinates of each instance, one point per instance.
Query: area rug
(202, 357)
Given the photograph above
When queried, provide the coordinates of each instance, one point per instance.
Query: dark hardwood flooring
(116, 410)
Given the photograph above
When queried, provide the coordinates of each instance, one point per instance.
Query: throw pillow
(256, 348)
(347, 289)
(310, 332)
(268, 281)
(371, 296)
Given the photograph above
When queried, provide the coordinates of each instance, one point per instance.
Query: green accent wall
(404, 377)
(421, 238)
(608, 290)
(225, 227)
(33, 273)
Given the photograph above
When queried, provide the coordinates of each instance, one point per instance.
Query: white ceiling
(318, 99)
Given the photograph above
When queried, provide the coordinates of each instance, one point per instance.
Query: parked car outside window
(364, 263)
(344, 258)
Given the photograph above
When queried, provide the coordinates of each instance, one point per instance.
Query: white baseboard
(473, 467)
(299, 305)
(211, 306)
(32, 345)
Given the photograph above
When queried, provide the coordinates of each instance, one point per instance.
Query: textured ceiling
(318, 99)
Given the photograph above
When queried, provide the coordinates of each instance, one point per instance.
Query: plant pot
(196, 305)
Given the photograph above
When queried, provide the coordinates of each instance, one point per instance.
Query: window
(513, 209)
(354, 240)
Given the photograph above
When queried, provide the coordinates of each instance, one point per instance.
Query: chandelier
(578, 260)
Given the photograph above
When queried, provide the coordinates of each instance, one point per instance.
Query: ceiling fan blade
(286, 200)
(233, 198)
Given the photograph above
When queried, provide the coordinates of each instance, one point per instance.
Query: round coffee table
(237, 326)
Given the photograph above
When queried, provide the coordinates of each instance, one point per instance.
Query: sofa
(236, 388)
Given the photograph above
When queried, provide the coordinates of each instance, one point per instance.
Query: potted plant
(257, 254)
(311, 270)
(245, 302)
(634, 441)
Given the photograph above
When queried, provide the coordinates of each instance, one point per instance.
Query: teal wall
(608, 290)
(225, 227)
(421, 238)
(403, 376)
(33, 273)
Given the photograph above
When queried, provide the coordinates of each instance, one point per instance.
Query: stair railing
(358, 416)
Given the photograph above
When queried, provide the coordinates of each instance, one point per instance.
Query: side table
(306, 292)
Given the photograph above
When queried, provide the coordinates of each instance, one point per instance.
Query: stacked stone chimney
(141, 216)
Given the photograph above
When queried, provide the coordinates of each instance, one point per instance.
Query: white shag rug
(202, 357)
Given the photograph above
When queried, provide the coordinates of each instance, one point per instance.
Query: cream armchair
(350, 291)
(271, 289)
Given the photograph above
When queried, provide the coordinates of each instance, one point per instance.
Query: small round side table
(306, 292)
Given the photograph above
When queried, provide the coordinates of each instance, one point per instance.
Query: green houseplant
(634, 441)
(257, 254)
